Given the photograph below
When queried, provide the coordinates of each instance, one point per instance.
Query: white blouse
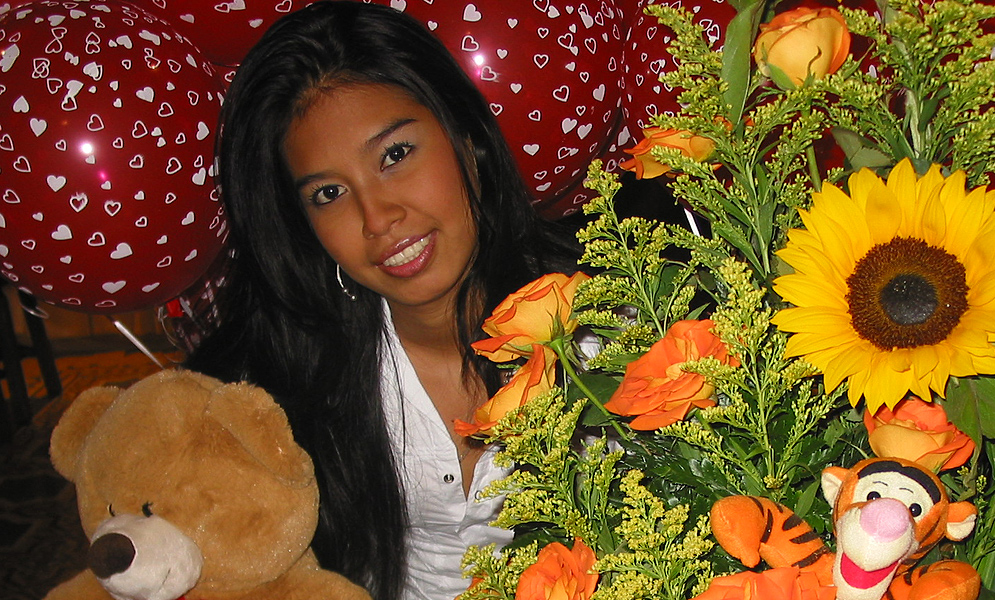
(443, 522)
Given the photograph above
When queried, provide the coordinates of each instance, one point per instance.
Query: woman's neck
(430, 340)
(426, 329)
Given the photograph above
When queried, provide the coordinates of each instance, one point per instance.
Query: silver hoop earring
(345, 290)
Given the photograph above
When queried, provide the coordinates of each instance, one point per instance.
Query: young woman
(376, 218)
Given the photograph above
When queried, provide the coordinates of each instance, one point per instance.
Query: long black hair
(286, 324)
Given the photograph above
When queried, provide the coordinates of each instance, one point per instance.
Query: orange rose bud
(560, 573)
(785, 583)
(538, 312)
(647, 167)
(802, 43)
(656, 390)
(535, 377)
(918, 431)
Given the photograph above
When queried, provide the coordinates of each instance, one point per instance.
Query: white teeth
(408, 254)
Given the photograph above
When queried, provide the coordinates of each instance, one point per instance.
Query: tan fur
(216, 461)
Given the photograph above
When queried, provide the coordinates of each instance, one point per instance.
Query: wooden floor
(41, 540)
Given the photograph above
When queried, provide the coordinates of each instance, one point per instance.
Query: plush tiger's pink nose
(885, 519)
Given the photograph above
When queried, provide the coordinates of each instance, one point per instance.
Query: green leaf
(780, 78)
(970, 405)
(804, 502)
(859, 151)
(737, 54)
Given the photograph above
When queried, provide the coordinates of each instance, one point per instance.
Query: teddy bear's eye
(147, 509)
(110, 510)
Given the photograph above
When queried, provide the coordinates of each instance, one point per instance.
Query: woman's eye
(326, 194)
(395, 154)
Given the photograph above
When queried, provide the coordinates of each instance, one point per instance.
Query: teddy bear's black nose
(110, 554)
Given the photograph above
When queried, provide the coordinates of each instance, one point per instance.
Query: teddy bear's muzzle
(144, 558)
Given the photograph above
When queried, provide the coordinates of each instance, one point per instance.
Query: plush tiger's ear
(960, 520)
(832, 483)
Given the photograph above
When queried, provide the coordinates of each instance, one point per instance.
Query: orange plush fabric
(887, 514)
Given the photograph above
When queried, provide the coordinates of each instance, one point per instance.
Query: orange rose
(918, 431)
(802, 43)
(785, 583)
(560, 573)
(537, 313)
(535, 377)
(647, 167)
(656, 389)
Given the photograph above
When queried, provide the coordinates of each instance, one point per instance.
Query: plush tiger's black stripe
(928, 535)
(812, 558)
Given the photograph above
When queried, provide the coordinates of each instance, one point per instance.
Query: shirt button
(449, 478)
(478, 495)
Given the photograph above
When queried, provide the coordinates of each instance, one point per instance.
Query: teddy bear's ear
(251, 415)
(75, 424)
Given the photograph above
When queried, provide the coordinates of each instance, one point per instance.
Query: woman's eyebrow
(369, 145)
(378, 138)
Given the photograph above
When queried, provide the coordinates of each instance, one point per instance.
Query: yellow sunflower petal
(980, 257)
(884, 386)
(965, 217)
(810, 261)
(925, 360)
(981, 293)
(883, 213)
(802, 344)
(839, 208)
(811, 291)
(933, 221)
(935, 209)
(849, 359)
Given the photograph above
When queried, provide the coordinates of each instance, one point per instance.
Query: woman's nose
(380, 213)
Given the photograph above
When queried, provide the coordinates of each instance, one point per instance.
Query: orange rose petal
(918, 431)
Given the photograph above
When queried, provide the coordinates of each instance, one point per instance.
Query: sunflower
(893, 285)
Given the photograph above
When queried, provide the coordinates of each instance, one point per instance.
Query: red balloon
(645, 56)
(573, 199)
(107, 202)
(224, 30)
(550, 70)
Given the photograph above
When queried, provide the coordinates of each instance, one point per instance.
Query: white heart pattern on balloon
(108, 114)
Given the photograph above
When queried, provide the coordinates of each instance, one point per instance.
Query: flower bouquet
(824, 328)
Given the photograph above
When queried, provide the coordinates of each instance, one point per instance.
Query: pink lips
(415, 265)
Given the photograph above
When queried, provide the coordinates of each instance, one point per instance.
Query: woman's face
(381, 185)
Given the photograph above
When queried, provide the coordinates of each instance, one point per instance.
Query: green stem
(558, 346)
(813, 168)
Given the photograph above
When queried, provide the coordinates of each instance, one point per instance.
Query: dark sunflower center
(906, 293)
(909, 299)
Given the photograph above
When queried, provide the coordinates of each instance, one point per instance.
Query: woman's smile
(411, 258)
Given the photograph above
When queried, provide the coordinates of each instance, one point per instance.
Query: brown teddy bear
(191, 488)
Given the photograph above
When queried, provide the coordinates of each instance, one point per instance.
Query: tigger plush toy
(887, 514)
